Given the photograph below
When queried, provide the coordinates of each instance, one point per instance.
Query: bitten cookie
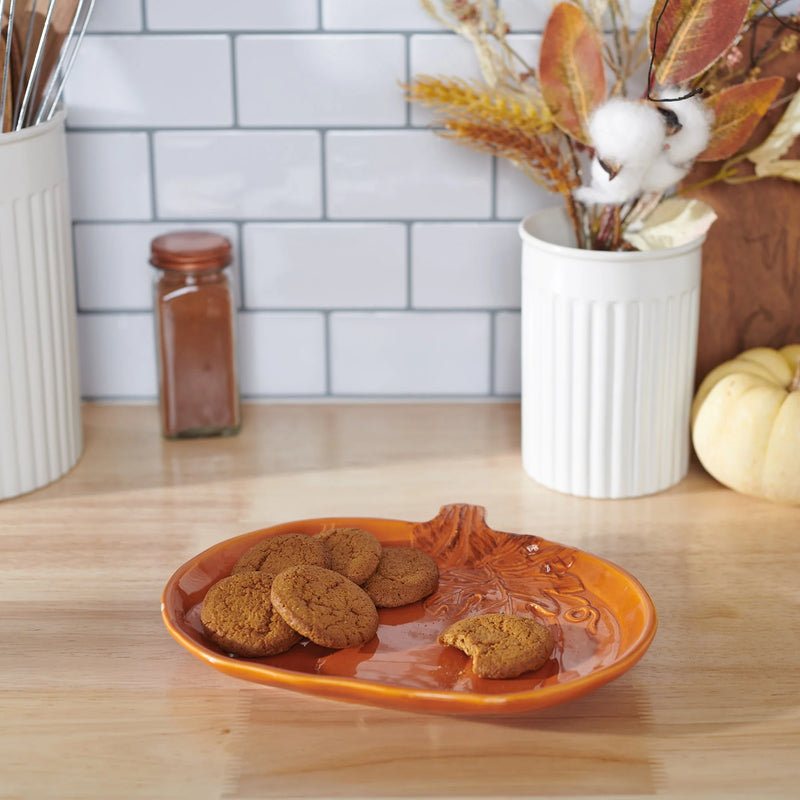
(238, 615)
(501, 645)
(324, 606)
(404, 575)
(275, 554)
(354, 552)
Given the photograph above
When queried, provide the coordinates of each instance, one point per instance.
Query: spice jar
(194, 317)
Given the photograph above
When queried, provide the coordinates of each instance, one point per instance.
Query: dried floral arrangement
(577, 124)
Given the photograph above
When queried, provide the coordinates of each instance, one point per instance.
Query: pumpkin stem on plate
(795, 384)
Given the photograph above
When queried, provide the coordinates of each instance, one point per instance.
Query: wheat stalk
(539, 157)
(474, 101)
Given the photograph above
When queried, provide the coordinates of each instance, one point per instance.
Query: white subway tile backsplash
(404, 174)
(117, 355)
(383, 15)
(211, 15)
(449, 56)
(507, 379)
(112, 262)
(440, 55)
(465, 265)
(116, 17)
(372, 257)
(518, 195)
(237, 174)
(527, 47)
(320, 80)
(143, 81)
(281, 354)
(325, 265)
(109, 176)
(525, 15)
(409, 353)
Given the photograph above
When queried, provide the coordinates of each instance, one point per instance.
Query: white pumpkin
(746, 423)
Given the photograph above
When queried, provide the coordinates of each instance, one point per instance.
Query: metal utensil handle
(33, 81)
(7, 60)
(69, 52)
(21, 82)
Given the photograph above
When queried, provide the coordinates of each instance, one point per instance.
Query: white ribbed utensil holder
(40, 426)
(609, 342)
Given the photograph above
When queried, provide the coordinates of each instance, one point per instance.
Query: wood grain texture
(750, 294)
(97, 701)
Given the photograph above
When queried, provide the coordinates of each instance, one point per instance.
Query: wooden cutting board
(750, 292)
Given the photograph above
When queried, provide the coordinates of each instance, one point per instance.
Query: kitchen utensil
(5, 50)
(68, 51)
(43, 38)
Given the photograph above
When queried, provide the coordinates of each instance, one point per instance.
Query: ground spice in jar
(194, 316)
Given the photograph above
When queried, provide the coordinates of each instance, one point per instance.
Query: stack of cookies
(325, 588)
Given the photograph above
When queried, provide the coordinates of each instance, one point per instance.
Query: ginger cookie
(501, 645)
(404, 575)
(275, 554)
(238, 616)
(324, 606)
(354, 552)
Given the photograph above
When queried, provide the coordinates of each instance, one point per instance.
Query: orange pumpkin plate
(602, 619)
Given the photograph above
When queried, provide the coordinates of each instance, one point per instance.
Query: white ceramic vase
(609, 342)
(40, 426)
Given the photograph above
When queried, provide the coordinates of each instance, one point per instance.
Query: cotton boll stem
(609, 229)
(575, 217)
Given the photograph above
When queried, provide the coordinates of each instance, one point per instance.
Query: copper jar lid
(190, 251)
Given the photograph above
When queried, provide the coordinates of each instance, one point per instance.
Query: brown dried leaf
(737, 110)
(571, 69)
(692, 35)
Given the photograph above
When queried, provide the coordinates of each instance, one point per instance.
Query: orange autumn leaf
(737, 110)
(571, 70)
(692, 35)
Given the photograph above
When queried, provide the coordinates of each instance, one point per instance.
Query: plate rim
(358, 690)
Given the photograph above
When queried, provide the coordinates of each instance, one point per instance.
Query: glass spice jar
(195, 340)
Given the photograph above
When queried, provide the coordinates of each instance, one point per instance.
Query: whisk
(30, 107)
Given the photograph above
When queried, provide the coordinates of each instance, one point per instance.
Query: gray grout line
(323, 175)
(492, 350)
(144, 18)
(234, 81)
(328, 312)
(493, 188)
(320, 399)
(200, 128)
(307, 221)
(239, 253)
(408, 78)
(409, 266)
(317, 31)
(151, 165)
(328, 360)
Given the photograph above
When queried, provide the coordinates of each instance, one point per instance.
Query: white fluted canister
(609, 343)
(40, 426)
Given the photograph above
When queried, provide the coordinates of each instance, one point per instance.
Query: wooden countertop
(98, 701)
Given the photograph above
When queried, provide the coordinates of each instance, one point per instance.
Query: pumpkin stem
(795, 384)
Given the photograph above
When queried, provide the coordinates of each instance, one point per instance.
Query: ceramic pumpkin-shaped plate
(602, 619)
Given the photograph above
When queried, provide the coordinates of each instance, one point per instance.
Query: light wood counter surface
(98, 701)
